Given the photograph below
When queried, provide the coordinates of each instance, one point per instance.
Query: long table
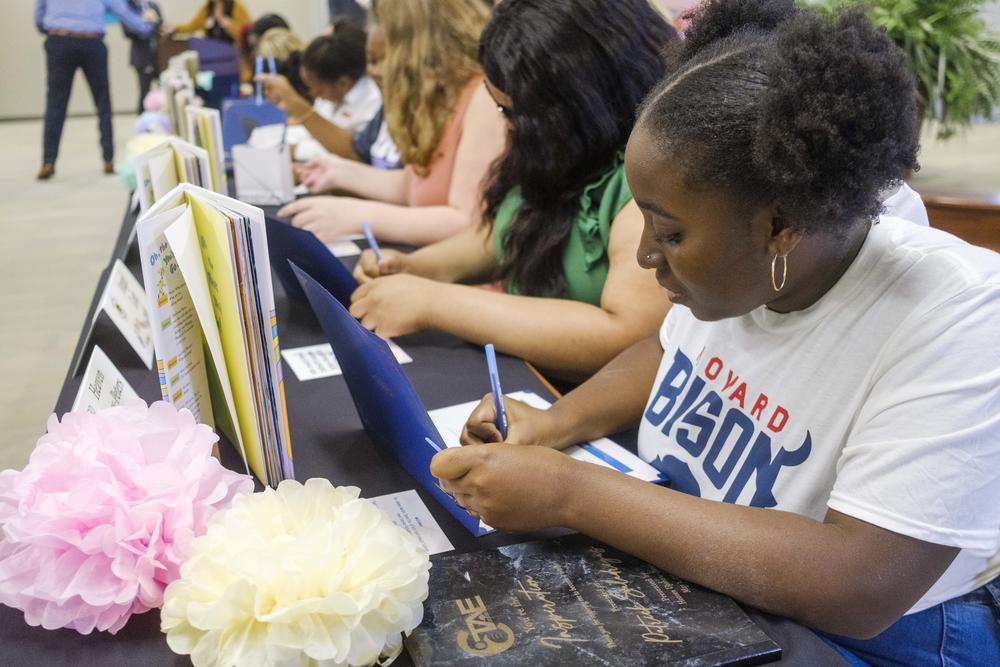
(328, 441)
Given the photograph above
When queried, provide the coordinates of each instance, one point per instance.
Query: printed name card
(124, 301)
(318, 361)
(120, 323)
(409, 512)
(103, 385)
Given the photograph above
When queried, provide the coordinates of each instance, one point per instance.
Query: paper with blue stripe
(604, 452)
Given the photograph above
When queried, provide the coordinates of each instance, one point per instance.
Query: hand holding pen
(372, 243)
(491, 369)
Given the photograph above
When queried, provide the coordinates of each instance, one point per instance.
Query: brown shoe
(109, 168)
(46, 172)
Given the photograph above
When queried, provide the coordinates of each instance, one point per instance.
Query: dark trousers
(146, 79)
(63, 55)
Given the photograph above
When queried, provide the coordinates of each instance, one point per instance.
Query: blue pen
(372, 243)
(257, 71)
(491, 368)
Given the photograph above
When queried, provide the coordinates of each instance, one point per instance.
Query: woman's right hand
(325, 173)
(526, 425)
(279, 91)
(368, 268)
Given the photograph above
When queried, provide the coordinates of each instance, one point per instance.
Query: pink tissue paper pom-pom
(155, 100)
(104, 514)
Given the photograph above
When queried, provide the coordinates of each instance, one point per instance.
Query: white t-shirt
(360, 103)
(880, 401)
(358, 107)
(905, 203)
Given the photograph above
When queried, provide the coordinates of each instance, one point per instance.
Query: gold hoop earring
(784, 271)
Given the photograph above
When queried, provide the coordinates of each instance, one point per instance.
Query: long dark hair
(576, 72)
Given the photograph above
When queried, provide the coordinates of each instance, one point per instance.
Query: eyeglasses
(507, 112)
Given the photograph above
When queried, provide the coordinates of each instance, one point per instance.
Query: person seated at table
(259, 28)
(838, 368)
(370, 144)
(346, 98)
(248, 41)
(560, 227)
(280, 44)
(440, 117)
(286, 48)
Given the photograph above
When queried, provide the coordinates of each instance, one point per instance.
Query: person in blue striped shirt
(74, 31)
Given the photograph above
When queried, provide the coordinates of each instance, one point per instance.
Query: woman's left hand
(395, 305)
(509, 487)
(329, 218)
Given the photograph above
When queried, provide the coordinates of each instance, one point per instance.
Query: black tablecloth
(328, 441)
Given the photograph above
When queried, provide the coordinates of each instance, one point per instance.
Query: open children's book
(170, 162)
(208, 284)
(204, 130)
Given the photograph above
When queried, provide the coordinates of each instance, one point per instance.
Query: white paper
(124, 301)
(162, 173)
(156, 170)
(318, 361)
(103, 385)
(604, 452)
(263, 175)
(409, 512)
(267, 136)
(344, 248)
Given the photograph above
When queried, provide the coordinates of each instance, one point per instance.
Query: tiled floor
(57, 237)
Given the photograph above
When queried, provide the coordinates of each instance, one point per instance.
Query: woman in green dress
(559, 229)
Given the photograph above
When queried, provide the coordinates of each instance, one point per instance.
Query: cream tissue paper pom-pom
(301, 575)
(100, 520)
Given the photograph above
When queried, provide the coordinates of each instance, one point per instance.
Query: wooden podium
(975, 219)
(168, 47)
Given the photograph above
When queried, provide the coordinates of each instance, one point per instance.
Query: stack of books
(170, 162)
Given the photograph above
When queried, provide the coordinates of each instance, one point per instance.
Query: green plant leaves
(953, 54)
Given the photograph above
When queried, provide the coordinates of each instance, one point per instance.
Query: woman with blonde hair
(279, 43)
(443, 121)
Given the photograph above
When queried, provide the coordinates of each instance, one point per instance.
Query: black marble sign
(574, 601)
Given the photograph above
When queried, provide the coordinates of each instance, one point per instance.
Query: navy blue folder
(240, 116)
(390, 409)
(285, 242)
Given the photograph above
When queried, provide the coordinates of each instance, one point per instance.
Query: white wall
(22, 58)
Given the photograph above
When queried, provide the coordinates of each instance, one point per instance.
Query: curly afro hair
(776, 103)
